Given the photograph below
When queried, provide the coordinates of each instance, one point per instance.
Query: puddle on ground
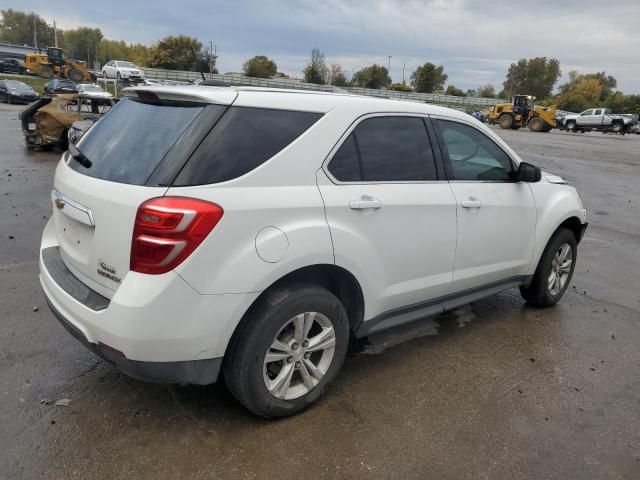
(442, 324)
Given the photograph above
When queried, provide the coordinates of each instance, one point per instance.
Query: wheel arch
(339, 281)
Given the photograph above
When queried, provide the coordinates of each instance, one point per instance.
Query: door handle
(471, 204)
(365, 203)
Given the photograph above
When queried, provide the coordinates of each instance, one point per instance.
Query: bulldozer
(523, 113)
(54, 63)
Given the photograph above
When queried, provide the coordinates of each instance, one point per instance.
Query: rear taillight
(168, 229)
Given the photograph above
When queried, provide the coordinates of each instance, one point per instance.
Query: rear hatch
(129, 156)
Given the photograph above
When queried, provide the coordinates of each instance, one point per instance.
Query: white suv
(121, 69)
(253, 231)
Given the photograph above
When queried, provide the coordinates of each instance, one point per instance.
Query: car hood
(552, 178)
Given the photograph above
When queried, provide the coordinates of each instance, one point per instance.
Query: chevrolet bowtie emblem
(59, 203)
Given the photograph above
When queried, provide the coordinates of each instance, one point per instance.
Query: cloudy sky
(475, 40)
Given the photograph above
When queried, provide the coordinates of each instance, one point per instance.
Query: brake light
(168, 229)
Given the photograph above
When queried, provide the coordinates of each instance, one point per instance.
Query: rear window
(131, 140)
(243, 139)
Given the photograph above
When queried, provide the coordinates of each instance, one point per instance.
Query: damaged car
(47, 122)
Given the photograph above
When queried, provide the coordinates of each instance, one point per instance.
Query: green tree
(180, 52)
(400, 87)
(608, 82)
(428, 78)
(583, 93)
(453, 90)
(316, 70)
(21, 28)
(83, 44)
(533, 76)
(486, 91)
(337, 76)
(373, 76)
(260, 67)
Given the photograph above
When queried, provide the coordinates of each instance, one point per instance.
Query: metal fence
(237, 79)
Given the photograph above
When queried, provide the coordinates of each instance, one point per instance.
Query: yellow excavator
(523, 112)
(54, 63)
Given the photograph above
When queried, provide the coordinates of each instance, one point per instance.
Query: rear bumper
(197, 372)
(154, 327)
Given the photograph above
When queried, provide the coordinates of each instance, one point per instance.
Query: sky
(475, 40)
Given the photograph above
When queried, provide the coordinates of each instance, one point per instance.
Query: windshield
(91, 88)
(126, 64)
(17, 85)
(129, 142)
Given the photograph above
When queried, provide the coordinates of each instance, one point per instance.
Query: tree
(583, 93)
(181, 52)
(486, 91)
(316, 70)
(18, 28)
(453, 90)
(337, 76)
(587, 90)
(400, 87)
(374, 76)
(428, 78)
(533, 76)
(83, 44)
(260, 67)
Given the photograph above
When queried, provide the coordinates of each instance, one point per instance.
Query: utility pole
(210, 58)
(35, 32)
(55, 34)
(403, 67)
(389, 67)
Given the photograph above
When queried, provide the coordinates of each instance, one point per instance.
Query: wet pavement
(492, 390)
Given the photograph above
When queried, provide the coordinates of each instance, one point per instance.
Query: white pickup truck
(596, 119)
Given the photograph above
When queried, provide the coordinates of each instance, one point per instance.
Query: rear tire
(505, 121)
(45, 71)
(271, 366)
(554, 272)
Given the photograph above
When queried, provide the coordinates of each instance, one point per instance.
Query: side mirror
(529, 173)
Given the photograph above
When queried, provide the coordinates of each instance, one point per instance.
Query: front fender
(555, 204)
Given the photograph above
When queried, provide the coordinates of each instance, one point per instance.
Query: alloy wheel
(560, 269)
(299, 356)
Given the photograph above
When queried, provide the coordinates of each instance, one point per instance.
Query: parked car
(12, 65)
(93, 91)
(600, 119)
(13, 91)
(258, 229)
(58, 85)
(122, 70)
(152, 83)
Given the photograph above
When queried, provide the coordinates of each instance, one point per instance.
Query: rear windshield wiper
(79, 157)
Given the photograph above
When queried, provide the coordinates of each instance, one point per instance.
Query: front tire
(554, 272)
(289, 347)
(571, 126)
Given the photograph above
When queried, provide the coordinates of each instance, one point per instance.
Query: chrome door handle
(471, 204)
(365, 203)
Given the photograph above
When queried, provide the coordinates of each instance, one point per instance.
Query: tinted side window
(243, 139)
(472, 155)
(345, 164)
(386, 149)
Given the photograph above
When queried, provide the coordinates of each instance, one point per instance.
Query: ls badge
(107, 271)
